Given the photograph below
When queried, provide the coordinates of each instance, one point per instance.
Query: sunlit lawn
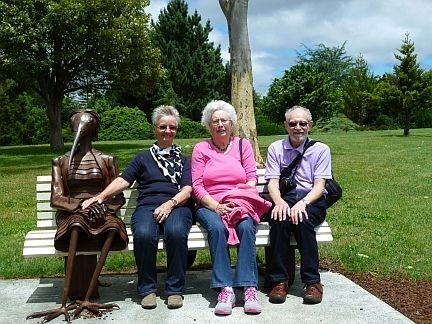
(383, 224)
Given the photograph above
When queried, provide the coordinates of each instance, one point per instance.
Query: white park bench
(40, 241)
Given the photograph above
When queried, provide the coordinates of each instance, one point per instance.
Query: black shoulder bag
(287, 183)
(286, 179)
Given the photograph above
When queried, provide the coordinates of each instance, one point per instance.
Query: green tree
(330, 60)
(21, 121)
(194, 65)
(358, 91)
(388, 101)
(423, 117)
(63, 46)
(408, 80)
(303, 85)
(10, 132)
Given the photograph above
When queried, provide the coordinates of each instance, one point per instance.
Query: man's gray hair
(216, 105)
(163, 111)
(307, 111)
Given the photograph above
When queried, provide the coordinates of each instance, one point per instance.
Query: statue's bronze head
(86, 121)
(85, 126)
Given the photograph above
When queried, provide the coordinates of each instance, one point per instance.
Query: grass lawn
(381, 225)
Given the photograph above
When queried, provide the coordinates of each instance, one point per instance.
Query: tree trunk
(55, 126)
(52, 94)
(235, 12)
(407, 126)
(408, 113)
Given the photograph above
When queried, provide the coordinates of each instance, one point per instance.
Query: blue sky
(278, 28)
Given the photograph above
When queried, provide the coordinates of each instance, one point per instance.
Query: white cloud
(278, 28)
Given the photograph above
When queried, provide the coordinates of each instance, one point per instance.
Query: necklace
(222, 149)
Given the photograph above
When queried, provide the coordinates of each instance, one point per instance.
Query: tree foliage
(359, 101)
(330, 60)
(408, 80)
(195, 71)
(58, 47)
(405, 93)
(124, 123)
(303, 85)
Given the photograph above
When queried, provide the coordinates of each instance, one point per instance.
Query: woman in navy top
(163, 177)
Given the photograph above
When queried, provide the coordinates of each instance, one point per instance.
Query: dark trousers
(145, 232)
(304, 233)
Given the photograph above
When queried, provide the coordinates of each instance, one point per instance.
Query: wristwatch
(307, 202)
(174, 202)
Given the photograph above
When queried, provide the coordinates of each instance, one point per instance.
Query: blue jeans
(304, 232)
(246, 272)
(145, 230)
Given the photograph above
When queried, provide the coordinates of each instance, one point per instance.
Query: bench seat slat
(41, 242)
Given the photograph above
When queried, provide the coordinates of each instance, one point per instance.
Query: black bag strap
(241, 150)
(291, 169)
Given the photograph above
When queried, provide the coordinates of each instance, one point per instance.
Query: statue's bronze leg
(86, 304)
(53, 313)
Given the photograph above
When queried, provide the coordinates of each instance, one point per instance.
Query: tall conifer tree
(408, 81)
(194, 65)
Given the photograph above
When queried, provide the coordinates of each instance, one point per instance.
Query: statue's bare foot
(53, 313)
(94, 308)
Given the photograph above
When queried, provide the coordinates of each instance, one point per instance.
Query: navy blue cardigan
(153, 188)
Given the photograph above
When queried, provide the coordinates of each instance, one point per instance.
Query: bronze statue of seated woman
(76, 176)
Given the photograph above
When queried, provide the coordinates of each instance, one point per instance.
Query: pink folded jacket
(247, 204)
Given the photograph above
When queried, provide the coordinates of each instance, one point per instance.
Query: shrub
(267, 127)
(123, 123)
(191, 129)
(37, 124)
(385, 122)
(337, 123)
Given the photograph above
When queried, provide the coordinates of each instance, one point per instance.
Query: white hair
(307, 111)
(163, 111)
(216, 105)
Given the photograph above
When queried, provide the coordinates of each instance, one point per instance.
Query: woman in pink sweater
(224, 185)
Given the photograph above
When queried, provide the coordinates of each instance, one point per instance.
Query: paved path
(344, 302)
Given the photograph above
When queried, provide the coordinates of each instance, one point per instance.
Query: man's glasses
(223, 121)
(293, 124)
(164, 127)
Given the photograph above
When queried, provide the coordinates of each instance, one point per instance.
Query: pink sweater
(215, 173)
(247, 204)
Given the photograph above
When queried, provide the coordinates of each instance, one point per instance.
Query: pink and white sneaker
(251, 303)
(226, 301)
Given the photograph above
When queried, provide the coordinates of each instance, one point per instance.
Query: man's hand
(298, 212)
(280, 211)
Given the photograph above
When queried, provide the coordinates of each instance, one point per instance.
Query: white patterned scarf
(169, 162)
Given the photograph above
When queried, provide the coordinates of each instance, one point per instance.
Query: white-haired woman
(163, 175)
(224, 185)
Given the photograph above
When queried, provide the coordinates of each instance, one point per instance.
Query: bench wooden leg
(83, 269)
